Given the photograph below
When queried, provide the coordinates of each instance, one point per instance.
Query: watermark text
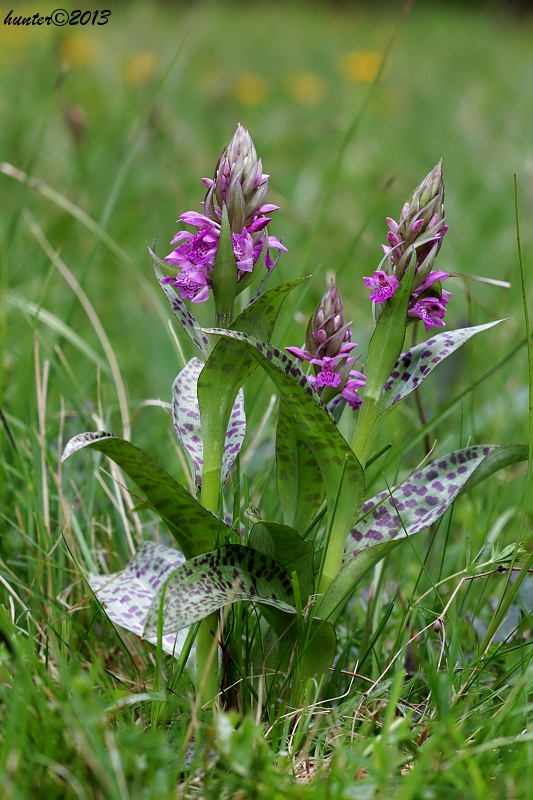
(59, 17)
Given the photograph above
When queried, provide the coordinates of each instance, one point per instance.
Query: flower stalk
(409, 289)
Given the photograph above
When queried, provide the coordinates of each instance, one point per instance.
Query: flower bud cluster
(327, 347)
(240, 185)
(416, 236)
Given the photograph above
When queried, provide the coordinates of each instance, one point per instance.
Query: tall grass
(105, 137)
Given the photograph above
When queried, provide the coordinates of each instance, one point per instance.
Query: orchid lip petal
(274, 242)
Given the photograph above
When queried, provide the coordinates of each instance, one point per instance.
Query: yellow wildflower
(140, 68)
(77, 50)
(250, 89)
(307, 88)
(360, 66)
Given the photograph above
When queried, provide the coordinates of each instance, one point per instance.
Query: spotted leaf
(341, 471)
(300, 483)
(186, 418)
(227, 370)
(194, 528)
(415, 364)
(182, 313)
(209, 582)
(286, 546)
(411, 507)
(424, 497)
(127, 595)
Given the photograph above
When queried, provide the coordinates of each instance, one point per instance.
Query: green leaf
(314, 649)
(267, 275)
(127, 595)
(208, 582)
(186, 419)
(411, 507)
(186, 416)
(300, 483)
(387, 340)
(415, 364)
(383, 351)
(259, 317)
(425, 496)
(341, 471)
(195, 529)
(182, 313)
(224, 273)
(227, 370)
(500, 457)
(342, 588)
(286, 546)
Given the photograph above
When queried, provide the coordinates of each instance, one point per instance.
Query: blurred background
(350, 105)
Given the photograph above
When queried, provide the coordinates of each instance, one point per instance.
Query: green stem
(333, 545)
(362, 438)
(208, 678)
(384, 348)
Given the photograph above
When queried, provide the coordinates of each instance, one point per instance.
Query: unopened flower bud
(421, 225)
(328, 347)
(238, 183)
(326, 330)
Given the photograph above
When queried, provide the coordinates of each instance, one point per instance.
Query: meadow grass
(113, 128)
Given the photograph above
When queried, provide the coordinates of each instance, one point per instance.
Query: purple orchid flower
(328, 349)
(240, 185)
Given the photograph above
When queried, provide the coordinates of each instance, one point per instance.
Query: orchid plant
(301, 571)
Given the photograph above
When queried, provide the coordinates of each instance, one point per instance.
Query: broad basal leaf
(300, 483)
(415, 364)
(195, 529)
(182, 313)
(424, 497)
(209, 582)
(186, 418)
(307, 655)
(127, 595)
(341, 471)
(411, 507)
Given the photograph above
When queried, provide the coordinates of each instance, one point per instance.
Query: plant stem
(208, 678)
(334, 544)
(362, 439)
(384, 348)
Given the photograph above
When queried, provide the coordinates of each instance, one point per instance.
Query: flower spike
(328, 347)
(240, 187)
(417, 236)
